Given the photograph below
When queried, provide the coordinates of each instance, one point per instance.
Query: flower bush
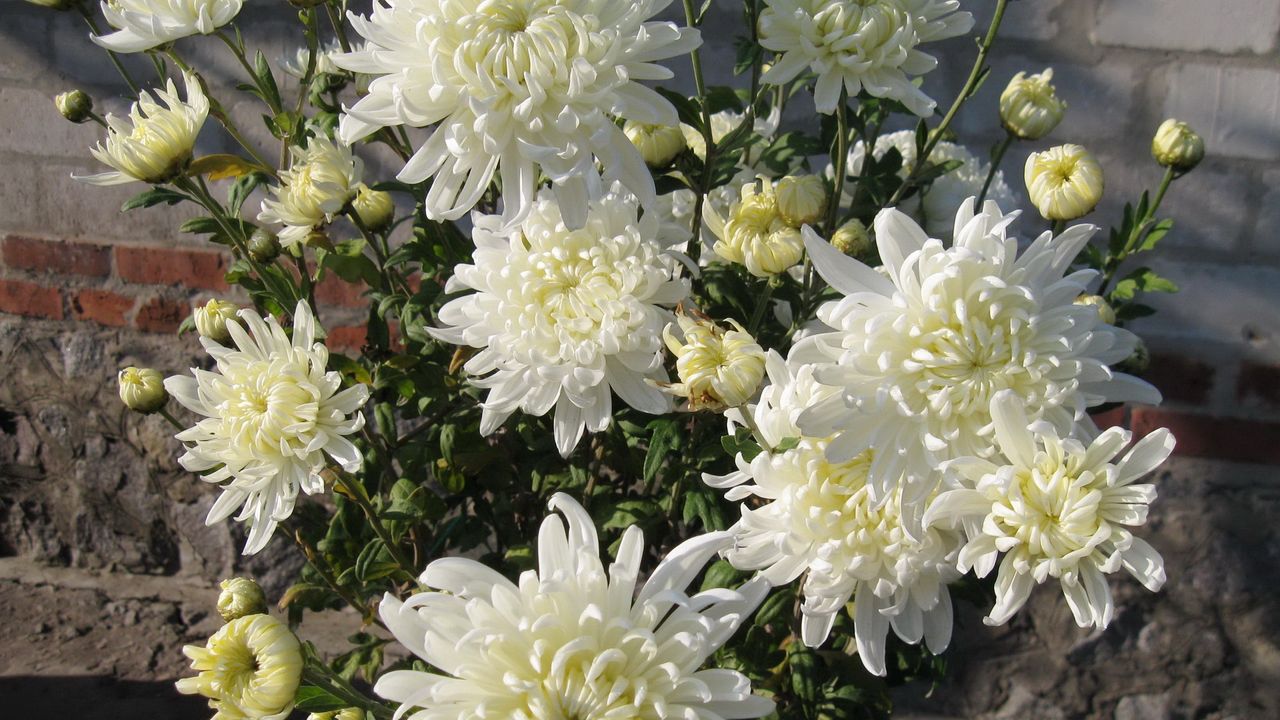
(816, 365)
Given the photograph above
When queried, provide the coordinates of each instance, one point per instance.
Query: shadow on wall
(97, 698)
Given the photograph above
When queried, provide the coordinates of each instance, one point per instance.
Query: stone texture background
(106, 568)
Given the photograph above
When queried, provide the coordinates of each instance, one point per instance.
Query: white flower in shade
(269, 416)
(156, 143)
(562, 316)
(144, 24)
(324, 177)
(717, 368)
(250, 668)
(858, 45)
(1064, 182)
(572, 639)
(935, 207)
(295, 65)
(658, 144)
(516, 88)
(919, 349)
(1055, 506)
(818, 519)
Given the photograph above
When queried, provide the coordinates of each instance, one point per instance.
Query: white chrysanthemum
(270, 414)
(517, 88)
(562, 316)
(934, 208)
(819, 520)
(1064, 182)
(572, 639)
(919, 350)
(295, 65)
(156, 143)
(859, 45)
(324, 177)
(249, 669)
(718, 368)
(1055, 507)
(144, 24)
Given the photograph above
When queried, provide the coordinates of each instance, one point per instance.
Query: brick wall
(68, 255)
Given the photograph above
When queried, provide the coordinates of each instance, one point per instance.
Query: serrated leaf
(151, 197)
(664, 439)
(222, 166)
(312, 699)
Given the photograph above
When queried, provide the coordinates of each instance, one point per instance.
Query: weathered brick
(1207, 436)
(101, 306)
(1236, 109)
(57, 256)
(333, 290)
(1181, 379)
(170, 266)
(160, 315)
(1258, 385)
(18, 297)
(1224, 26)
(349, 338)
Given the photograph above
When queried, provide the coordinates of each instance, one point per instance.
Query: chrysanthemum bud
(1029, 107)
(717, 368)
(142, 389)
(1105, 312)
(853, 239)
(802, 199)
(250, 668)
(1177, 146)
(74, 105)
(1064, 182)
(54, 4)
(240, 597)
(350, 713)
(1138, 362)
(756, 236)
(263, 245)
(658, 144)
(375, 208)
(211, 319)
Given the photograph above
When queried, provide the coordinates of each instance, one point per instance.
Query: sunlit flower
(1177, 145)
(375, 208)
(1029, 106)
(324, 177)
(211, 319)
(240, 597)
(717, 368)
(755, 235)
(919, 350)
(818, 519)
(562, 316)
(142, 389)
(517, 88)
(250, 668)
(269, 416)
(1064, 182)
(802, 199)
(156, 143)
(1055, 506)
(144, 24)
(658, 144)
(572, 639)
(858, 45)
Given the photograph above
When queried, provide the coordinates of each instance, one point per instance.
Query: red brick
(101, 306)
(1213, 437)
(333, 290)
(67, 258)
(24, 298)
(1181, 379)
(1115, 417)
(1259, 385)
(160, 315)
(348, 339)
(171, 266)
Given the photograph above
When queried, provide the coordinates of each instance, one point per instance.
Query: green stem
(317, 563)
(357, 493)
(93, 26)
(338, 28)
(164, 413)
(761, 305)
(997, 156)
(1139, 233)
(695, 244)
(970, 86)
(841, 160)
(320, 676)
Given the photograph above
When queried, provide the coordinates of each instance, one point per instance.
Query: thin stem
(239, 53)
(761, 304)
(970, 86)
(695, 244)
(321, 568)
(338, 28)
(996, 157)
(164, 413)
(1139, 233)
(841, 160)
(356, 493)
(128, 79)
(320, 676)
(1165, 182)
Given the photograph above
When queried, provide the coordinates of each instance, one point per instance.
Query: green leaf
(804, 673)
(151, 197)
(1156, 234)
(664, 439)
(312, 699)
(222, 166)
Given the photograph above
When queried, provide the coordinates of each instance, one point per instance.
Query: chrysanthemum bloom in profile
(919, 350)
(517, 88)
(859, 45)
(1064, 182)
(718, 368)
(1055, 506)
(270, 414)
(755, 235)
(1030, 107)
(324, 177)
(249, 669)
(156, 143)
(144, 24)
(819, 520)
(562, 316)
(572, 639)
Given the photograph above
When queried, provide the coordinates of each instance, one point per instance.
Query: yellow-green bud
(240, 597)
(211, 319)
(142, 389)
(717, 368)
(375, 208)
(658, 144)
(1177, 146)
(75, 105)
(54, 4)
(1064, 182)
(802, 199)
(263, 245)
(350, 713)
(1029, 106)
(853, 239)
(1105, 312)
(755, 235)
